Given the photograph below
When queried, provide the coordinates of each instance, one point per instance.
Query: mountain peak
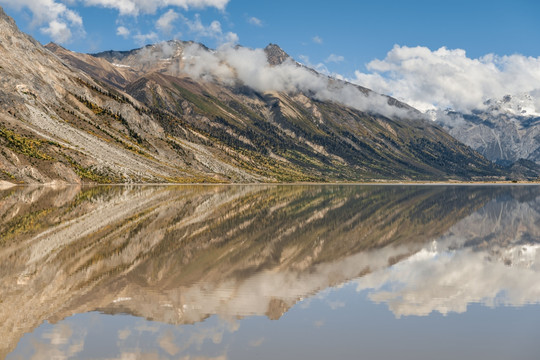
(55, 48)
(53, 45)
(523, 105)
(6, 18)
(275, 54)
(3, 15)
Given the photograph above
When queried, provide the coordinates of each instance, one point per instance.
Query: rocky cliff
(506, 132)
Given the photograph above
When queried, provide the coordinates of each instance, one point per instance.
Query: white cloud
(143, 39)
(58, 31)
(317, 40)
(230, 64)
(135, 7)
(333, 58)
(447, 78)
(56, 19)
(255, 21)
(320, 67)
(123, 31)
(213, 31)
(165, 22)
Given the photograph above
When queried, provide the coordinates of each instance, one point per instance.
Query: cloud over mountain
(448, 78)
(229, 64)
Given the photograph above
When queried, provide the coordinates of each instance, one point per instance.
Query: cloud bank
(230, 64)
(448, 78)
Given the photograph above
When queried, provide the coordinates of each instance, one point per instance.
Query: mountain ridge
(180, 112)
(507, 131)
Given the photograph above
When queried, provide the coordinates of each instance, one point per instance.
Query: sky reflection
(201, 272)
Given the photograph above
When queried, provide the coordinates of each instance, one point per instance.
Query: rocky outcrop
(505, 132)
(276, 55)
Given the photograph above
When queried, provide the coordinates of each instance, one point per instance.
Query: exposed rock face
(136, 116)
(275, 54)
(505, 133)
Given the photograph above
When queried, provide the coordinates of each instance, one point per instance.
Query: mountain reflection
(180, 254)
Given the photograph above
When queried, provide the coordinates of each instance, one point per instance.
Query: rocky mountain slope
(179, 112)
(57, 124)
(507, 131)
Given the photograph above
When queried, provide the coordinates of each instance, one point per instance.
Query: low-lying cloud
(448, 78)
(230, 64)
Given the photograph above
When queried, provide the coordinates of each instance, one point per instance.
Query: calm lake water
(270, 272)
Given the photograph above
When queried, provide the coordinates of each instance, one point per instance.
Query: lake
(270, 272)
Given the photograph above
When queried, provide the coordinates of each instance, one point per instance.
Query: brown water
(270, 272)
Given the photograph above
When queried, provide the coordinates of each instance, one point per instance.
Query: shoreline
(4, 185)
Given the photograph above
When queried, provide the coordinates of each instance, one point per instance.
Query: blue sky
(357, 31)
(341, 37)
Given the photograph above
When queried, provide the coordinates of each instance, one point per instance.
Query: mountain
(507, 131)
(57, 124)
(180, 112)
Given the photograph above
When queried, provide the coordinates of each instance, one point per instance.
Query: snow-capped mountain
(505, 130)
(521, 105)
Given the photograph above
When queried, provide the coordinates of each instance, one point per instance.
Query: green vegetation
(25, 145)
(98, 110)
(91, 174)
(4, 175)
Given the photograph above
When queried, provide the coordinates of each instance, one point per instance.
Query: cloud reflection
(180, 255)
